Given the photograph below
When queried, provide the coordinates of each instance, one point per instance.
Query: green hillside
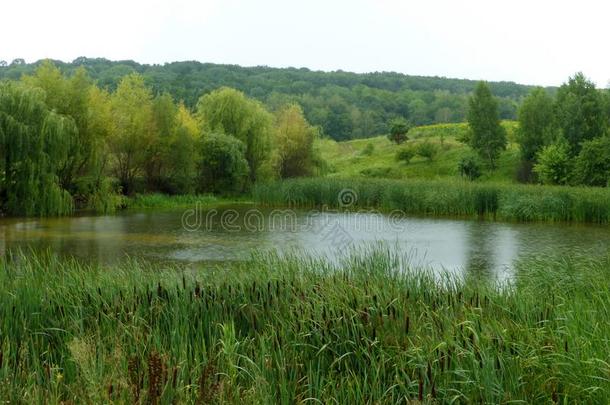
(344, 105)
(376, 157)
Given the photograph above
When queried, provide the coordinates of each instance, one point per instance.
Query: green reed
(446, 198)
(298, 329)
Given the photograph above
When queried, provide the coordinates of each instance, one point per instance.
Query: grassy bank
(297, 330)
(445, 198)
(163, 201)
(376, 157)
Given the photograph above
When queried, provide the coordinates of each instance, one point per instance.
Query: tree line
(67, 143)
(563, 136)
(344, 105)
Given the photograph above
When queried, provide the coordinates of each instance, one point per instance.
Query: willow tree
(71, 96)
(133, 130)
(34, 145)
(230, 112)
(183, 155)
(164, 112)
(295, 142)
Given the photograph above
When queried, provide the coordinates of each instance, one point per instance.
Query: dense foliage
(66, 142)
(565, 138)
(34, 149)
(345, 105)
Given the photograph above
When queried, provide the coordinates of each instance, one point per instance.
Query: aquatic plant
(295, 328)
(524, 203)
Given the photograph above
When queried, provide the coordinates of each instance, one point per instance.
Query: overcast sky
(531, 42)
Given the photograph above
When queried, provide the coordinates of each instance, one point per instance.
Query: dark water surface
(232, 232)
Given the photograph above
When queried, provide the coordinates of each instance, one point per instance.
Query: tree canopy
(344, 105)
(488, 137)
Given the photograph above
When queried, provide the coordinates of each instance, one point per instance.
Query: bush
(399, 128)
(593, 163)
(405, 155)
(469, 167)
(554, 164)
(427, 150)
(376, 171)
(368, 149)
(224, 168)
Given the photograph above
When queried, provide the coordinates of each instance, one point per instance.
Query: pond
(232, 232)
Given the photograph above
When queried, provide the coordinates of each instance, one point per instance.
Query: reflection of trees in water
(492, 251)
(480, 258)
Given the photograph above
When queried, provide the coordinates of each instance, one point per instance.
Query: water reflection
(477, 249)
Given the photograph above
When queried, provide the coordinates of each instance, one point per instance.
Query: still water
(233, 232)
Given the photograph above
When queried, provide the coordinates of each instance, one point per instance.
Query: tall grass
(160, 201)
(523, 203)
(298, 329)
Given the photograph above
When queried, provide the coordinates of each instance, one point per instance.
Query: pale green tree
(295, 139)
(230, 112)
(133, 130)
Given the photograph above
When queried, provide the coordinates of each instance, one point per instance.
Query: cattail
(407, 322)
(155, 376)
(420, 391)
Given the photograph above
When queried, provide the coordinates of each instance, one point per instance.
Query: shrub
(368, 149)
(399, 128)
(376, 171)
(554, 164)
(427, 150)
(405, 155)
(592, 165)
(469, 168)
(224, 168)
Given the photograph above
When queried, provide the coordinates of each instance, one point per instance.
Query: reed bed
(296, 329)
(522, 203)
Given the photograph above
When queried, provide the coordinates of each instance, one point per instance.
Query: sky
(531, 42)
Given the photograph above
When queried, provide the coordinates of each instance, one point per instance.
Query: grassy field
(454, 198)
(358, 159)
(298, 329)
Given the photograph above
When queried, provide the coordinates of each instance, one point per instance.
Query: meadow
(297, 329)
(376, 157)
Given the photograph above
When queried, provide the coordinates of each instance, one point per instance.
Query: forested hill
(346, 105)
